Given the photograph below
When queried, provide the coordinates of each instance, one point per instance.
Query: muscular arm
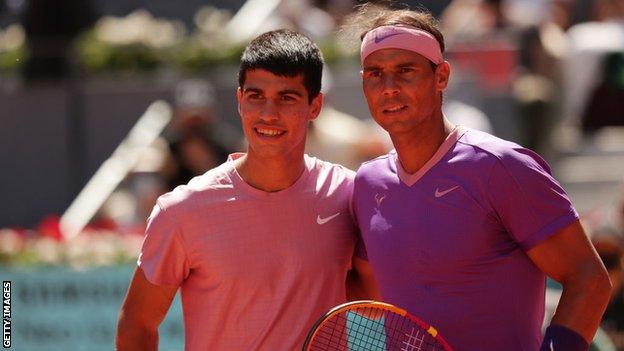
(361, 284)
(569, 258)
(143, 310)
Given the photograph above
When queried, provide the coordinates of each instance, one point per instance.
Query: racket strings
(373, 329)
(405, 335)
(348, 332)
(331, 336)
(366, 329)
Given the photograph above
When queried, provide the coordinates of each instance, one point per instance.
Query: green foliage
(97, 56)
(191, 56)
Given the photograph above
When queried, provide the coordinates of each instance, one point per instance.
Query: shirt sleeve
(527, 199)
(163, 258)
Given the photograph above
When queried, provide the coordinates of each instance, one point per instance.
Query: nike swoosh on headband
(382, 38)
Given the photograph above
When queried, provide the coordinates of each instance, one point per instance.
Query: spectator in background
(537, 87)
(527, 37)
(588, 44)
(605, 107)
(195, 144)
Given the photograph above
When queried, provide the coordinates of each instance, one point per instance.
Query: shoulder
(378, 172)
(329, 179)
(500, 152)
(328, 170)
(199, 190)
(380, 161)
(375, 168)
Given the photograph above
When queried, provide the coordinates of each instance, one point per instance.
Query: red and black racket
(372, 326)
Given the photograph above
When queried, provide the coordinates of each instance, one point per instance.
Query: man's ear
(442, 73)
(239, 97)
(317, 105)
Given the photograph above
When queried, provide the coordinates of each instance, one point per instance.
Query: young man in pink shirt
(262, 245)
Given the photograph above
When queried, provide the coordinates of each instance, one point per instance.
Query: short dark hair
(284, 53)
(372, 15)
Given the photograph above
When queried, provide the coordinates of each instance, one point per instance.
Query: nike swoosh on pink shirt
(322, 221)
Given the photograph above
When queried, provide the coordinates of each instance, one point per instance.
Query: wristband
(560, 338)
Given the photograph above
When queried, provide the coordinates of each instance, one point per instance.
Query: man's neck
(417, 147)
(270, 174)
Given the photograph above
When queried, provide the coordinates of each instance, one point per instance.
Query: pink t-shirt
(255, 269)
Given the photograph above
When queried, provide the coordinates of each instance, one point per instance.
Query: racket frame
(354, 305)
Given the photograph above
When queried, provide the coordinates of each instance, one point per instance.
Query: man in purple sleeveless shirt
(461, 228)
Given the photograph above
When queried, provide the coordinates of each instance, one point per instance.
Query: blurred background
(105, 105)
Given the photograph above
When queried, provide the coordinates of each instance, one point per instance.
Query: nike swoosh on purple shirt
(380, 39)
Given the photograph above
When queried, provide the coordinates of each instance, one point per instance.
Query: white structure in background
(466, 115)
(258, 16)
(115, 168)
(338, 137)
(251, 16)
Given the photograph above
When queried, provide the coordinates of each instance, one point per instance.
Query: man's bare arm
(569, 258)
(143, 310)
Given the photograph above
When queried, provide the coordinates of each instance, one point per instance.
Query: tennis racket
(372, 326)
